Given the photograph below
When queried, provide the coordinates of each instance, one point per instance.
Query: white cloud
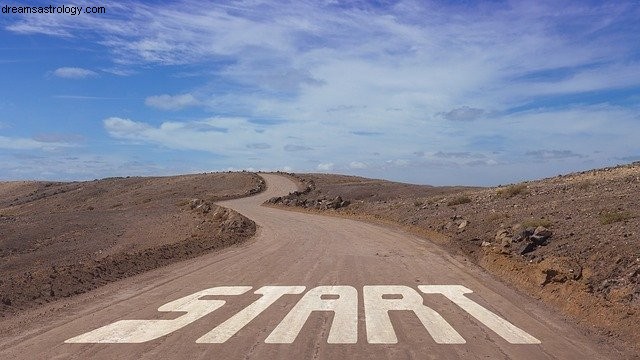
(357, 165)
(464, 113)
(406, 64)
(74, 73)
(216, 135)
(54, 137)
(378, 82)
(124, 128)
(171, 102)
(72, 164)
(119, 71)
(325, 166)
(20, 143)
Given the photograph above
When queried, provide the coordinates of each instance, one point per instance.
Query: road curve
(315, 256)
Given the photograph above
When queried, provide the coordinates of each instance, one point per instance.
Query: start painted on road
(341, 300)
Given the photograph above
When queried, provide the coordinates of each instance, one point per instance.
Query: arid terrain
(557, 258)
(572, 241)
(305, 286)
(62, 239)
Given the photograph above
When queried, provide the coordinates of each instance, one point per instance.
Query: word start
(341, 300)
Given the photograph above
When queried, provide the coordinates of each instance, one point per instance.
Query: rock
(543, 232)
(538, 240)
(506, 241)
(204, 208)
(527, 248)
(501, 234)
(194, 203)
(220, 213)
(463, 224)
(485, 244)
(505, 249)
(551, 275)
(518, 238)
(200, 205)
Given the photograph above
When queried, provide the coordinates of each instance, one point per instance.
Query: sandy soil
(63, 239)
(305, 250)
(589, 266)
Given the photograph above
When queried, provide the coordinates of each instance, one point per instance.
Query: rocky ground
(572, 241)
(60, 239)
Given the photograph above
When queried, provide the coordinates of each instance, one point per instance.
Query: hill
(572, 241)
(61, 239)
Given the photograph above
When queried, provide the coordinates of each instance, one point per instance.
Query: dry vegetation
(459, 200)
(610, 217)
(512, 190)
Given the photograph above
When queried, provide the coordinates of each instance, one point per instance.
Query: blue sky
(477, 93)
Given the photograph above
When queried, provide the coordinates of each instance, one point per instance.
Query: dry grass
(512, 190)
(497, 216)
(182, 203)
(459, 200)
(585, 184)
(534, 223)
(610, 217)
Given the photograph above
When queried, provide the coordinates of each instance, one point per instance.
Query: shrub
(498, 216)
(534, 223)
(512, 190)
(183, 203)
(584, 184)
(610, 217)
(434, 199)
(459, 200)
(417, 203)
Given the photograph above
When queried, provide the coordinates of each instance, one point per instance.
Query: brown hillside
(61, 239)
(572, 241)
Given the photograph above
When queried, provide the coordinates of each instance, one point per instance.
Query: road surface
(307, 286)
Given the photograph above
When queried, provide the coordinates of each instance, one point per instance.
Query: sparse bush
(434, 200)
(497, 216)
(610, 217)
(584, 185)
(534, 223)
(459, 200)
(182, 203)
(512, 190)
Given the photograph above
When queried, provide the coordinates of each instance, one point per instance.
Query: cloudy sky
(477, 93)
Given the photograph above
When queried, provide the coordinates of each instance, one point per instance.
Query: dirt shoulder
(572, 241)
(61, 239)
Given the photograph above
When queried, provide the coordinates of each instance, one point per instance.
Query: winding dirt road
(307, 286)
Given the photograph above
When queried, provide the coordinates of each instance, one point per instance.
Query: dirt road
(306, 286)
